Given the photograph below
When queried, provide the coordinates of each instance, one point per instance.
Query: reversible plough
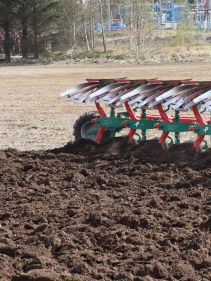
(137, 98)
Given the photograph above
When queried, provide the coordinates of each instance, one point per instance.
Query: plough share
(132, 105)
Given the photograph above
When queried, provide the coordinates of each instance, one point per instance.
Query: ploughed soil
(117, 211)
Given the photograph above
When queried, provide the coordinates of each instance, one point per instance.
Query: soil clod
(114, 211)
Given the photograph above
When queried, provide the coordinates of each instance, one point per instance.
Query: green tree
(69, 23)
(7, 16)
(23, 14)
(44, 16)
(28, 16)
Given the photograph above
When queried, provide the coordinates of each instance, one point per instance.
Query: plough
(132, 105)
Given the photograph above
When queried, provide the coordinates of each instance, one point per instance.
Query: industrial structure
(202, 14)
(169, 14)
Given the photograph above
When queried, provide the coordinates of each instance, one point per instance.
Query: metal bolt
(191, 129)
(124, 124)
(157, 126)
(93, 121)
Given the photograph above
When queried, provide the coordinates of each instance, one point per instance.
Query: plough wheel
(85, 129)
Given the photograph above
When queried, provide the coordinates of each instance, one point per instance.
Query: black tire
(83, 126)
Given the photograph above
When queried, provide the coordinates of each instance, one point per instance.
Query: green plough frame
(117, 122)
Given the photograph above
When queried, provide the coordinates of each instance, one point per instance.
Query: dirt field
(82, 212)
(33, 118)
(113, 212)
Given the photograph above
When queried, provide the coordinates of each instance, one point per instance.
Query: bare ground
(117, 211)
(32, 117)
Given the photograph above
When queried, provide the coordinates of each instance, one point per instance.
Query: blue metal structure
(168, 15)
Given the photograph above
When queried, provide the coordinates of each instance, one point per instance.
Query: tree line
(39, 25)
(29, 19)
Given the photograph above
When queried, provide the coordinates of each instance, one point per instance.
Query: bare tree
(85, 25)
(140, 24)
(92, 21)
(102, 24)
(70, 14)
